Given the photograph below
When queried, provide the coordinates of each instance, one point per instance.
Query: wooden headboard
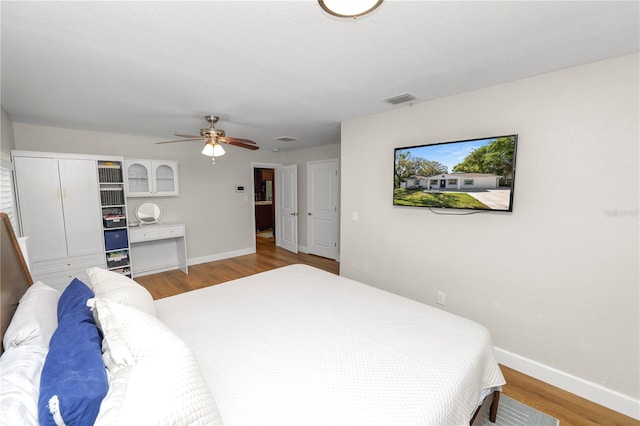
(14, 275)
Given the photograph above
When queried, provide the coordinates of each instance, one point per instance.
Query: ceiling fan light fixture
(208, 149)
(218, 150)
(349, 8)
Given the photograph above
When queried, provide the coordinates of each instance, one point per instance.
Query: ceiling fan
(213, 138)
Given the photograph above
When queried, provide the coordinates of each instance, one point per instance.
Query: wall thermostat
(239, 188)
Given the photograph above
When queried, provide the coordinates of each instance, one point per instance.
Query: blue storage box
(117, 239)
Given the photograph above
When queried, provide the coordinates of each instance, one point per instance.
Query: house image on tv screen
(455, 181)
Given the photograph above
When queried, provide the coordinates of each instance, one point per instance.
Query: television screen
(473, 174)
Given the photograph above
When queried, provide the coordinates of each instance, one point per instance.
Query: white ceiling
(285, 68)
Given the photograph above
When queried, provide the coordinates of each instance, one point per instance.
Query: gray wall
(556, 281)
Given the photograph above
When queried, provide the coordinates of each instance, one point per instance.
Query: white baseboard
(220, 256)
(228, 255)
(592, 391)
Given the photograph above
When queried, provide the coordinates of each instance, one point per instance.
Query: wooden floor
(564, 406)
(568, 408)
(267, 257)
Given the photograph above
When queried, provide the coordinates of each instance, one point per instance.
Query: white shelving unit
(114, 217)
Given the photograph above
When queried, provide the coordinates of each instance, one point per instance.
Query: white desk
(157, 248)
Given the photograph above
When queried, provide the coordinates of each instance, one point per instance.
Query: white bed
(300, 346)
(292, 346)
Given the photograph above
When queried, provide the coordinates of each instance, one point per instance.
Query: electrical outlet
(441, 297)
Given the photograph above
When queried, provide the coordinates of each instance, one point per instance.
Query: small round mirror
(148, 213)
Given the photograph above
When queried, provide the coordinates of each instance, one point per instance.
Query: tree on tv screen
(496, 157)
(408, 166)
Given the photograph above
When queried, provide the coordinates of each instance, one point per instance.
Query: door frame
(252, 203)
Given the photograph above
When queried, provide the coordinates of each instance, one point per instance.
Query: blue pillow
(74, 299)
(74, 379)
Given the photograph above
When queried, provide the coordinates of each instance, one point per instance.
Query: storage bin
(123, 271)
(114, 221)
(116, 259)
(117, 239)
(117, 263)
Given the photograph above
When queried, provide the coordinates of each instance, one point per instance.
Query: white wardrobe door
(39, 198)
(81, 205)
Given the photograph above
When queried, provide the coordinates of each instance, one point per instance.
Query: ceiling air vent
(286, 139)
(395, 100)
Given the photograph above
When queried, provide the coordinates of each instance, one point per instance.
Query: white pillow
(154, 376)
(119, 288)
(20, 384)
(35, 319)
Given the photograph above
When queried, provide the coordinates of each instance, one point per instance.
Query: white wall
(556, 281)
(218, 219)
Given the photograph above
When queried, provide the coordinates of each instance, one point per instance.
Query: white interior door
(287, 207)
(322, 206)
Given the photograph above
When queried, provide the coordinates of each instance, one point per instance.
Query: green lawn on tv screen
(419, 198)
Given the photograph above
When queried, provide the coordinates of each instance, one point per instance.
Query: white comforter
(300, 346)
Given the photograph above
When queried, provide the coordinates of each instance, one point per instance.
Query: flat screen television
(476, 174)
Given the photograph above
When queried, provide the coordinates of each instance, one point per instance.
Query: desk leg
(182, 254)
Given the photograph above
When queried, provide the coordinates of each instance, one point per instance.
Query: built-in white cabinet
(159, 247)
(59, 206)
(151, 178)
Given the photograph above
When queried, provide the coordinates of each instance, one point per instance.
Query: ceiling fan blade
(240, 140)
(212, 135)
(179, 140)
(235, 142)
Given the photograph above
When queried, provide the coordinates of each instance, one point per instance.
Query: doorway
(265, 197)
